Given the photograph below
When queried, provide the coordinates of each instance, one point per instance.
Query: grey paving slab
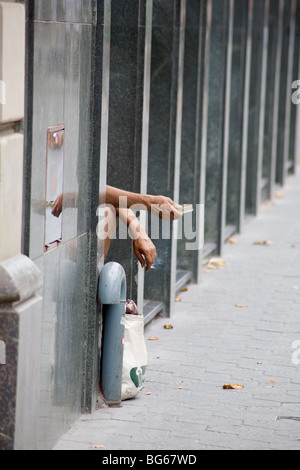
(213, 342)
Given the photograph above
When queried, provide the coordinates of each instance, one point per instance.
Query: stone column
(285, 92)
(20, 351)
(188, 260)
(167, 58)
(127, 146)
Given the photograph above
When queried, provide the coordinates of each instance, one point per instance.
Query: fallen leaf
(296, 287)
(99, 446)
(263, 242)
(268, 203)
(232, 241)
(241, 306)
(206, 271)
(153, 338)
(178, 299)
(233, 387)
(272, 381)
(179, 388)
(216, 263)
(293, 246)
(168, 326)
(185, 289)
(148, 393)
(278, 195)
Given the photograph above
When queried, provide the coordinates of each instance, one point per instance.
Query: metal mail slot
(54, 184)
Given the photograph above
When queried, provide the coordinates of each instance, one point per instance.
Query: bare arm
(161, 206)
(143, 247)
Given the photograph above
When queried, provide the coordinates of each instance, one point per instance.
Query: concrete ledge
(20, 340)
(19, 279)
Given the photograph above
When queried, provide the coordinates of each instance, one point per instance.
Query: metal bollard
(112, 295)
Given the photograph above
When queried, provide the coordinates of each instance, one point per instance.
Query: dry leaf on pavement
(233, 387)
(241, 306)
(263, 242)
(216, 263)
(178, 299)
(168, 326)
(153, 338)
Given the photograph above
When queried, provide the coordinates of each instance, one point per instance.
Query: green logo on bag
(137, 375)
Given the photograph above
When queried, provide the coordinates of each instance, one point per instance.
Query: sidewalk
(215, 342)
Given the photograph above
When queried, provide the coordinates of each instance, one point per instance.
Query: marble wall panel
(9, 334)
(47, 111)
(60, 77)
(292, 152)
(63, 338)
(254, 105)
(236, 113)
(271, 101)
(127, 115)
(77, 144)
(216, 61)
(165, 137)
(61, 10)
(191, 124)
(283, 87)
(287, 162)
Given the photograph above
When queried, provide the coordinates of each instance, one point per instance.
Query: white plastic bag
(135, 358)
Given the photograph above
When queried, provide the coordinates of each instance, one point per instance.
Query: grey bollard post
(112, 295)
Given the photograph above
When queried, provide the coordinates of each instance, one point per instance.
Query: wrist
(147, 201)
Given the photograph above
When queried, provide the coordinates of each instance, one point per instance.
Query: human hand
(57, 206)
(145, 251)
(164, 208)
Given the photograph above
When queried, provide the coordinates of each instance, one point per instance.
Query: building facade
(193, 99)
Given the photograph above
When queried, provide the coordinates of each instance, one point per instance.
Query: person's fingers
(145, 253)
(150, 258)
(56, 209)
(168, 211)
(150, 261)
(139, 257)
